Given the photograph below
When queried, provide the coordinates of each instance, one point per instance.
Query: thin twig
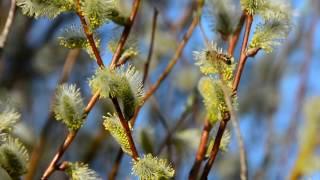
(174, 59)
(162, 118)
(115, 168)
(243, 55)
(233, 117)
(153, 32)
(202, 147)
(233, 40)
(7, 26)
(171, 132)
(125, 34)
(126, 127)
(204, 35)
(63, 166)
(68, 140)
(94, 99)
(88, 34)
(98, 139)
(236, 127)
(112, 175)
(123, 60)
(116, 165)
(226, 118)
(165, 73)
(216, 145)
(57, 157)
(39, 147)
(201, 150)
(95, 145)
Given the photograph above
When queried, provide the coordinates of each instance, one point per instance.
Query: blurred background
(273, 94)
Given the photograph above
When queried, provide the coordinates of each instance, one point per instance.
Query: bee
(214, 55)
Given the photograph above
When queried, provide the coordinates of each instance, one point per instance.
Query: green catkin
(149, 168)
(81, 171)
(13, 157)
(125, 84)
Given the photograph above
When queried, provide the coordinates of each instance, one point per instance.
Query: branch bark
(126, 127)
(39, 147)
(52, 166)
(89, 34)
(201, 150)
(165, 73)
(125, 34)
(233, 40)
(8, 24)
(153, 32)
(174, 59)
(224, 121)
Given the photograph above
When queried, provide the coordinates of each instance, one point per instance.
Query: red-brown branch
(224, 121)
(201, 150)
(68, 140)
(233, 40)
(57, 157)
(89, 34)
(243, 55)
(126, 127)
(202, 147)
(153, 32)
(125, 34)
(171, 132)
(52, 166)
(116, 165)
(165, 73)
(216, 146)
(174, 59)
(8, 24)
(39, 147)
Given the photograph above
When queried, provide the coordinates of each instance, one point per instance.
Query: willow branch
(201, 150)
(125, 34)
(224, 121)
(8, 24)
(88, 34)
(57, 157)
(233, 40)
(52, 166)
(216, 145)
(99, 137)
(202, 146)
(39, 147)
(123, 60)
(153, 32)
(115, 168)
(236, 127)
(165, 73)
(126, 127)
(171, 132)
(162, 119)
(174, 59)
(68, 140)
(94, 146)
(243, 55)
(94, 99)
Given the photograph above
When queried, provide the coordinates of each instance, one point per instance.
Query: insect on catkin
(213, 55)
